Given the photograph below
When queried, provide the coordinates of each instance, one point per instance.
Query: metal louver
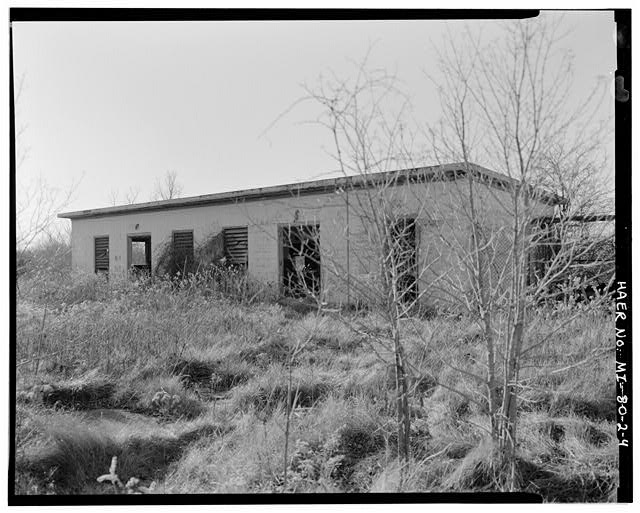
(236, 245)
(101, 254)
(183, 243)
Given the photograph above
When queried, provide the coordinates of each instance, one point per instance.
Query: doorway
(300, 269)
(139, 254)
(405, 259)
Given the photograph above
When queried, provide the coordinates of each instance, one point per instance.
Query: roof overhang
(444, 172)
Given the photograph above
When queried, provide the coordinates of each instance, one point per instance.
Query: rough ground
(190, 393)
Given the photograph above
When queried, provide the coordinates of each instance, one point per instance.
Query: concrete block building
(256, 227)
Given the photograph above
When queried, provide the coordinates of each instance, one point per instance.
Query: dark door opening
(300, 263)
(404, 253)
(139, 254)
(182, 253)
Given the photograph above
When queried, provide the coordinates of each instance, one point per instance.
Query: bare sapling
(507, 103)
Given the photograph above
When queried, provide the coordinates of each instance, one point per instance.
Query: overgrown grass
(189, 388)
(74, 450)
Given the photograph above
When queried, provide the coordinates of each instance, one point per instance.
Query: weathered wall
(441, 209)
(261, 217)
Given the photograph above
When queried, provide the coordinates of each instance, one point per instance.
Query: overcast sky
(119, 104)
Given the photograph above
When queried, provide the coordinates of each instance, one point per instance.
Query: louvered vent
(102, 254)
(183, 243)
(236, 245)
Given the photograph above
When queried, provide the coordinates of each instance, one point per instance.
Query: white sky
(119, 104)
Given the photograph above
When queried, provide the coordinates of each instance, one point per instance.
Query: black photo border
(623, 242)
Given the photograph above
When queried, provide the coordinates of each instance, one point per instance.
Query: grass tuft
(188, 387)
(270, 390)
(77, 451)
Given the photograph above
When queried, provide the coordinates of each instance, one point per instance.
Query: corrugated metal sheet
(101, 254)
(236, 245)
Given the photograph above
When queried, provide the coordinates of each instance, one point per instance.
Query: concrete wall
(261, 217)
(346, 247)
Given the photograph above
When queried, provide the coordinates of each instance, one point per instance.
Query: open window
(405, 258)
(101, 255)
(139, 254)
(300, 269)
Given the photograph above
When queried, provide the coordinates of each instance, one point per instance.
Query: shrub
(59, 290)
(52, 255)
(209, 272)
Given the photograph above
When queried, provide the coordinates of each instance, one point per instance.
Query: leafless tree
(131, 195)
(113, 196)
(507, 102)
(367, 117)
(37, 200)
(168, 187)
(495, 245)
(369, 141)
(128, 198)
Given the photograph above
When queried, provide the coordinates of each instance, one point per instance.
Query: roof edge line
(308, 187)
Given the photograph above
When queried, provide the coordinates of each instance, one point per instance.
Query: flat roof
(329, 185)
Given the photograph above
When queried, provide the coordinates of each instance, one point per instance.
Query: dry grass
(73, 450)
(112, 351)
(269, 390)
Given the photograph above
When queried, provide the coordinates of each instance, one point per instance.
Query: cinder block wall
(437, 206)
(261, 217)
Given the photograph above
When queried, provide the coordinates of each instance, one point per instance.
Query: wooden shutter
(236, 246)
(101, 254)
